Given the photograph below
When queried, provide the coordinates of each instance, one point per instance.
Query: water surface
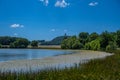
(20, 54)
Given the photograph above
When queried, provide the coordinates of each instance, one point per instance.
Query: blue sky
(46, 19)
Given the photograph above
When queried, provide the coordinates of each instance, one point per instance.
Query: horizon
(47, 19)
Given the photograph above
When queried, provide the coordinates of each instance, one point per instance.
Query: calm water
(18, 54)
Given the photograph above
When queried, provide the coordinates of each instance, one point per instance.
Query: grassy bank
(99, 69)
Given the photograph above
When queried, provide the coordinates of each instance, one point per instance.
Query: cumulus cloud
(16, 26)
(61, 3)
(93, 4)
(46, 2)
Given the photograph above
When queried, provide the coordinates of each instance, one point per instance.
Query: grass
(98, 69)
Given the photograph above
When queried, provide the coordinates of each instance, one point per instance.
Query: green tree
(84, 37)
(93, 36)
(71, 43)
(0, 45)
(87, 46)
(6, 40)
(105, 38)
(64, 44)
(111, 46)
(20, 43)
(118, 38)
(34, 43)
(93, 45)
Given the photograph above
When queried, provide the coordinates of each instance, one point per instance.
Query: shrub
(111, 46)
(93, 45)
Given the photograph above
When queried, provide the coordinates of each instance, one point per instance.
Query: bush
(111, 46)
(34, 43)
(71, 43)
(87, 46)
(93, 45)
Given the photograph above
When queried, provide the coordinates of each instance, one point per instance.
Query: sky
(46, 19)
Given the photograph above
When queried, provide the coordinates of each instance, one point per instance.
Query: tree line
(16, 42)
(94, 41)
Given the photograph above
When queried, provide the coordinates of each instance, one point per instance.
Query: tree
(87, 46)
(105, 38)
(20, 43)
(83, 37)
(93, 36)
(0, 45)
(118, 38)
(34, 43)
(93, 45)
(71, 43)
(111, 46)
(6, 40)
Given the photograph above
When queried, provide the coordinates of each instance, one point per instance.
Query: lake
(21, 54)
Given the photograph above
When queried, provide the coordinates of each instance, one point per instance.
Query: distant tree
(0, 45)
(20, 43)
(105, 38)
(93, 45)
(87, 46)
(34, 43)
(71, 43)
(111, 46)
(93, 36)
(118, 38)
(83, 37)
(64, 44)
(6, 40)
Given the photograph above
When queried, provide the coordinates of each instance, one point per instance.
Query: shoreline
(57, 61)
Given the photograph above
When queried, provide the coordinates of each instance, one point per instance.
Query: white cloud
(16, 26)
(93, 4)
(61, 3)
(46, 2)
(53, 30)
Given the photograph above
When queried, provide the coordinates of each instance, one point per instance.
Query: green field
(99, 69)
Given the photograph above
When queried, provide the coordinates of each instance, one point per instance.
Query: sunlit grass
(98, 69)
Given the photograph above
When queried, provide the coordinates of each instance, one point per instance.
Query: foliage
(84, 37)
(111, 46)
(6, 40)
(106, 37)
(71, 43)
(118, 37)
(20, 43)
(34, 43)
(0, 45)
(93, 45)
(87, 46)
(93, 36)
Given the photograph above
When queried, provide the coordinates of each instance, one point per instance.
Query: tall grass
(98, 69)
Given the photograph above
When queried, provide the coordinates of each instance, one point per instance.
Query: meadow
(98, 69)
